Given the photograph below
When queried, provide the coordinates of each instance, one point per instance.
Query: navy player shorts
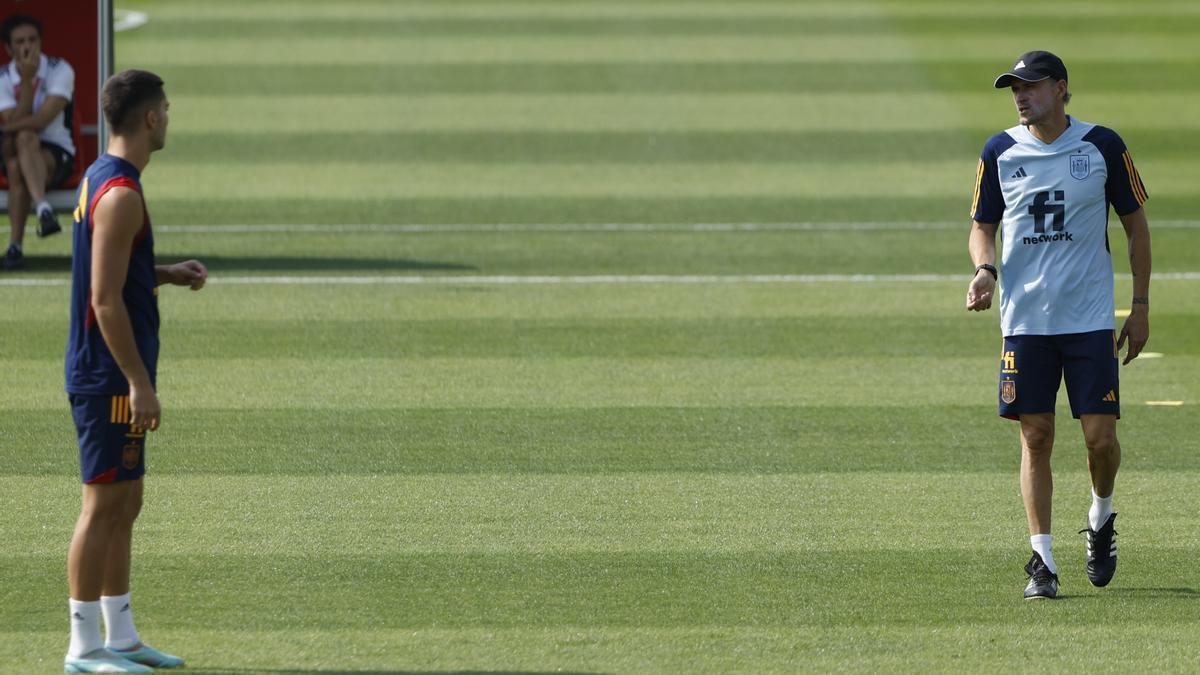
(1032, 366)
(110, 448)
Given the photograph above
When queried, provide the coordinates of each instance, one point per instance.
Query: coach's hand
(980, 292)
(144, 406)
(1137, 330)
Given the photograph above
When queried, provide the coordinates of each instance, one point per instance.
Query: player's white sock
(44, 206)
(1041, 546)
(1100, 511)
(118, 622)
(85, 628)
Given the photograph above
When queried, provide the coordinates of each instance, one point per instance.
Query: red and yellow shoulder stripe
(1135, 180)
(978, 186)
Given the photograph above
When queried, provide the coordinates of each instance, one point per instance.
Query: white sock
(118, 622)
(1100, 511)
(1041, 545)
(44, 206)
(85, 628)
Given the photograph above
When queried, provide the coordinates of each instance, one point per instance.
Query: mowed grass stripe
(546, 303)
(582, 382)
(408, 338)
(936, 77)
(637, 147)
(574, 209)
(575, 253)
(822, 48)
(613, 440)
(384, 10)
(598, 210)
(540, 339)
(579, 228)
(595, 302)
(581, 302)
(498, 515)
(597, 589)
(555, 253)
(725, 648)
(173, 50)
(394, 179)
(988, 108)
(505, 23)
(644, 147)
(816, 252)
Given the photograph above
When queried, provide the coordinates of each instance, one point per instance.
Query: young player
(1047, 183)
(112, 354)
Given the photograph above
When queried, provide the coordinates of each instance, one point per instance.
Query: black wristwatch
(991, 269)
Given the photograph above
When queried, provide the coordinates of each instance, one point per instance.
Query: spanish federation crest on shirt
(1080, 167)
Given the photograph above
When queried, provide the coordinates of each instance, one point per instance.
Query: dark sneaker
(1042, 582)
(47, 223)
(13, 260)
(1102, 552)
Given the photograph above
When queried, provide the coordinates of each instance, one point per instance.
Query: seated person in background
(35, 95)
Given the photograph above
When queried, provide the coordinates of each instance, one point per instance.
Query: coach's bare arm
(982, 245)
(117, 218)
(1137, 325)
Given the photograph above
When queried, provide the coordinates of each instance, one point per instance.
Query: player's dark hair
(127, 95)
(14, 22)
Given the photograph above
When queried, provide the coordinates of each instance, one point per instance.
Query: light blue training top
(1051, 202)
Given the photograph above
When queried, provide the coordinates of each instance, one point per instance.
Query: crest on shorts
(1080, 167)
(1008, 391)
(130, 456)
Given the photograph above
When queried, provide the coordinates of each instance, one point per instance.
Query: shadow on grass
(43, 264)
(1141, 593)
(244, 671)
(47, 264)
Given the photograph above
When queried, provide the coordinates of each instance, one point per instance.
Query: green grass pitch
(690, 467)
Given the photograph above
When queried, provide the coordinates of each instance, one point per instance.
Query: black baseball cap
(1034, 67)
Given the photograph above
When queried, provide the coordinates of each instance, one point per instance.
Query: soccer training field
(611, 336)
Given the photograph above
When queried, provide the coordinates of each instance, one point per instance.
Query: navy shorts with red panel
(111, 449)
(1033, 366)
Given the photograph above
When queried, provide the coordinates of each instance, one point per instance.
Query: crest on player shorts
(130, 455)
(1008, 391)
(1080, 167)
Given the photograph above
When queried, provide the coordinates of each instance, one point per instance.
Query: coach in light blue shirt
(1046, 185)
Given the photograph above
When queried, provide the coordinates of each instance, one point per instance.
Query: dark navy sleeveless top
(90, 366)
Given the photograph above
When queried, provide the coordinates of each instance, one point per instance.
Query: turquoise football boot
(102, 661)
(149, 656)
